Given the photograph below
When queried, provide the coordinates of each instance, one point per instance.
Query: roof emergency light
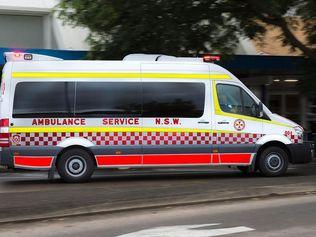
(20, 57)
(211, 58)
(208, 58)
(159, 57)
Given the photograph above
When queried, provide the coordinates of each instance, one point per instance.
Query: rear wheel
(75, 165)
(273, 162)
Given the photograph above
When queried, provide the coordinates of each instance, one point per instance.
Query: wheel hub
(274, 162)
(76, 166)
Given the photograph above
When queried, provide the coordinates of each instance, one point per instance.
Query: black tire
(273, 162)
(75, 166)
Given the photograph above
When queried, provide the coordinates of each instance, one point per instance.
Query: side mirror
(260, 110)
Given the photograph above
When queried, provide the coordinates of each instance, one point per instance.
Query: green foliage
(189, 28)
(180, 27)
(177, 27)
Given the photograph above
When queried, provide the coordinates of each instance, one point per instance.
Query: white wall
(21, 31)
(26, 6)
(30, 24)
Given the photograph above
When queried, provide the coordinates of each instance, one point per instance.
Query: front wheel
(75, 165)
(273, 162)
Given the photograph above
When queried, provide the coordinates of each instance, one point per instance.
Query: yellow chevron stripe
(118, 75)
(73, 75)
(111, 129)
(100, 129)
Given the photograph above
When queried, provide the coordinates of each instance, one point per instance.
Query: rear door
(101, 103)
(176, 114)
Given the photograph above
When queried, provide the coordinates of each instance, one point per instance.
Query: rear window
(176, 99)
(108, 99)
(44, 99)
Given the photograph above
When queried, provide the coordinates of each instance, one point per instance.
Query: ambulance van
(144, 111)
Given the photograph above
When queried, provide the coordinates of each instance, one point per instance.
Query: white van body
(82, 115)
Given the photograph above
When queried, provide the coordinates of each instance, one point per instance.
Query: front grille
(305, 136)
(308, 136)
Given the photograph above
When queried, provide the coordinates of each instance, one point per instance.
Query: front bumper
(301, 153)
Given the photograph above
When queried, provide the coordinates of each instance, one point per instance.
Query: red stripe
(33, 161)
(215, 158)
(119, 159)
(169, 159)
(240, 158)
(177, 159)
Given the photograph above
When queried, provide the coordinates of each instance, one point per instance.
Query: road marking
(187, 231)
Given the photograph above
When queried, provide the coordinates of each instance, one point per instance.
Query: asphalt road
(30, 195)
(280, 217)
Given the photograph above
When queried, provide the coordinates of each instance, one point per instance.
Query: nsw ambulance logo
(239, 124)
(16, 139)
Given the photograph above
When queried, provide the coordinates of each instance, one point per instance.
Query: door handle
(223, 122)
(204, 122)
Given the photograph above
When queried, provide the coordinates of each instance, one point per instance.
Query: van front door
(237, 124)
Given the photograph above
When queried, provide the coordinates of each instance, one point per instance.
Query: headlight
(299, 130)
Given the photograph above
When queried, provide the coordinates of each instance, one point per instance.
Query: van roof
(90, 66)
(107, 62)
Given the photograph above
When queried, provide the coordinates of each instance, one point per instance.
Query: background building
(31, 24)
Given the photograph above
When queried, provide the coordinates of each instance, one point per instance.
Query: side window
(108, 99)
(229, 98)
(173, 99)
(235, 100)
(250, 107)
(43, 99)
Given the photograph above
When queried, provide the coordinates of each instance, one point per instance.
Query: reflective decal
(174, 159)
(33, 161)
(137, 138)
(16, 139)
(239, 124)
(59, 122)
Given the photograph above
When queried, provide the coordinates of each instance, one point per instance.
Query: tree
(178, 27)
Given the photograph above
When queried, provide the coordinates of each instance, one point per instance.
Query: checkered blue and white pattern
(134, 138)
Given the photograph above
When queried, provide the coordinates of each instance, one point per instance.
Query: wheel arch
(273, 138)
(65, 149)
(73, 141)
(273, 144)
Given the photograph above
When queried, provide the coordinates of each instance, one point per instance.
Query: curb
(158, 206)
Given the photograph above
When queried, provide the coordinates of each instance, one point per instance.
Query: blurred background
(270, 45)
